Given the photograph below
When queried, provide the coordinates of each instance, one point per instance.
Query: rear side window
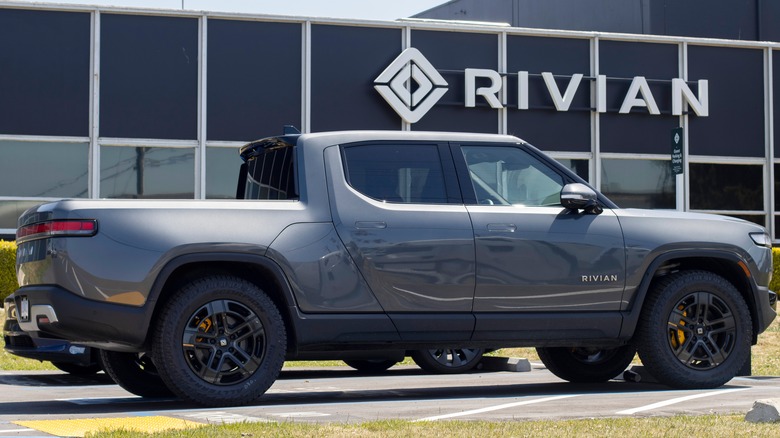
(270, 174)
(410, 174)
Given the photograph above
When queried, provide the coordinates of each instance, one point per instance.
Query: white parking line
(497, 407)
(678, 400)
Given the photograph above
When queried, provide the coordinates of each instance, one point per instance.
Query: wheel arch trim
(631, 316)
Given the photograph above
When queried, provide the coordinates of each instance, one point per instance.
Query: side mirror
(578, 196)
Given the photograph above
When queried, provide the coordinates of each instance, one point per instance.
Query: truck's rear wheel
(134, 372)
(220, 341)
(695, 330)
(586, 365)
(448, 360)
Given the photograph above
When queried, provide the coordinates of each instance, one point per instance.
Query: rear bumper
(58, 312)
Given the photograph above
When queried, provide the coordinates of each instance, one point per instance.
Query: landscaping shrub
(8, 282)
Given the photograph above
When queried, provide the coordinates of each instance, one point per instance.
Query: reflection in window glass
(147, 172)
(638, 183)
(508, 175)
(755, 218)
(11, 210)
(580, 167)
(777, 185)
(42, 169)
(407, 174)
(727, 187)
(222, 168)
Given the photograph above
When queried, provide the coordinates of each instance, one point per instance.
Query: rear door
(397, 208)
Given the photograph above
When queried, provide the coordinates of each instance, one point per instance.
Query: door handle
(370, 225)
(502, 228)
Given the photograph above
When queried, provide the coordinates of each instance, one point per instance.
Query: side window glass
(505, 175)
(410, 174)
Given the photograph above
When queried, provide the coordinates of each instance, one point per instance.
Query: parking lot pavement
(53, 403)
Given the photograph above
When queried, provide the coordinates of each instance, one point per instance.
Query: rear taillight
(58, 228)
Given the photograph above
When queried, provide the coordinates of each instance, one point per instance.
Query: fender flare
(631, 316)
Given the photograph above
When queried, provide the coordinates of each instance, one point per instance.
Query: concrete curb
(764, 411)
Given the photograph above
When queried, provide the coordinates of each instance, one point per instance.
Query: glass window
(409, 174)
(249, 65)
(510, 176)
(580, 167)
(10, 212)
(345, 60)
(43, 169)
(149, 76)
(727, 187)
(639, 183)
(147, 172)
(222, 172)
(271, 173)
(44, 72)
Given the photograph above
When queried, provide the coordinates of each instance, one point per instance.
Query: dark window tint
(776, 93)
(735, 126)
(563, 57)
(639, 183)
(510, 176)
(149, 77)
(344, 63)
(638, 131)
(409, 174)
(254, 78)
(726, 187)
(147, 172)
(44, 169)
(451, 53)
(580, 167)
(222, 172)
(44, 73)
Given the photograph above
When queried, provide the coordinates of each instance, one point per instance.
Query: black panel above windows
(776, 99)
(638, 131)
(563, 58)
(44, 73)
(254, 79)
(735, 126)
(344, 63)
(149, 77)
(451, 53)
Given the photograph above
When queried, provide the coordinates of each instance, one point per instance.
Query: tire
(448, 360)
(370, 365)
(134, 372)
(77, 369)
(219, 341)
(695, 330)
(586, 365)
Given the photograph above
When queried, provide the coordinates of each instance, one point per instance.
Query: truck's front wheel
(695, 330)
(219, 341)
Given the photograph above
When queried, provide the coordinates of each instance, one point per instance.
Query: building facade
(127, 103)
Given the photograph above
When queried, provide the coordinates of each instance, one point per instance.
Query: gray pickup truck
(375, 241)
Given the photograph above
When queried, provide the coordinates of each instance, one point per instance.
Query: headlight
(761, 239)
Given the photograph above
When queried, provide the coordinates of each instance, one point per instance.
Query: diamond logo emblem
(411, 85)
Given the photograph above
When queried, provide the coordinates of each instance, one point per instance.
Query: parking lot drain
(78, 428)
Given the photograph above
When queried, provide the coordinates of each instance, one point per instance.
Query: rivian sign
(412, 86)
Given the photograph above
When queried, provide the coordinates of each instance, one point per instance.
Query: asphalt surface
(343, 395)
